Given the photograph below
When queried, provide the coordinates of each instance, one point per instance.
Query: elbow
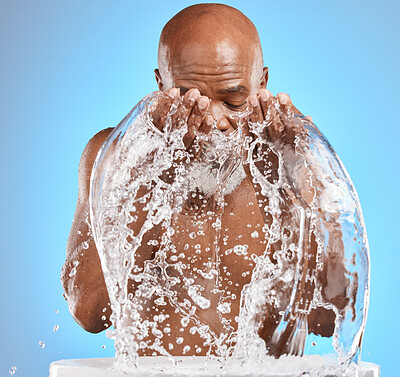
(89, 324)
(91, 316)
(89, 307)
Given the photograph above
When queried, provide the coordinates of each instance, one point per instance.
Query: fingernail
(283, 99)
(264, 95)
(174, 92)
(202, 103)
(209, 120)
(194, 94)
(253, 100)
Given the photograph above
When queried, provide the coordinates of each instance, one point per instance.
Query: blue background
(71, 68)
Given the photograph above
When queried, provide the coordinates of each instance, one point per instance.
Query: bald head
(209, 31)
(216, 50)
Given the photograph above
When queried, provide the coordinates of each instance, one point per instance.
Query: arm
(282, 129)
(82, 276)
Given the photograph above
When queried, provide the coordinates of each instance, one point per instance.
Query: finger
(198, 113)
(207, 123)
(162, 107)
(196, 119)
(265, 95)
(173, 93)
(285, 106)
(284, 102)
(189, 100)
(275, 127)
(184, 110)
(256, 114)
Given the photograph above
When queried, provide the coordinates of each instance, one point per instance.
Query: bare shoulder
(87, 160)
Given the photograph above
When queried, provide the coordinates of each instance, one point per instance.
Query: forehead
(214, 64)
(219, 56)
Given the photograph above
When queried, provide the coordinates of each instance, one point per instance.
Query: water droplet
(217, 224)
(179, 340)
(103, 346)
(12, 370)
(224, 308)
(157, 333)
(185, 321)
(73, 270)
(41, 344)
(186, 349)
(193, 330)
(240, 249)
(313, 344)
(85, 245)
(192, 235)
(254, 234)
(56, 327)
(162, 318)
(198, 299)
(56, 311)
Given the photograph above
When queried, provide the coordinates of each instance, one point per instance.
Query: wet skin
(218, 75)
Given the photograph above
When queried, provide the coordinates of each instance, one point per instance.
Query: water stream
(238, 249)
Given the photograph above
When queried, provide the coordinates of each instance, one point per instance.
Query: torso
(218, 260)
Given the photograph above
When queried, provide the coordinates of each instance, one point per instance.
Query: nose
(217, 112)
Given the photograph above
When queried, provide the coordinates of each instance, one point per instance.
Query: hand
(278, 113)
(191, 109)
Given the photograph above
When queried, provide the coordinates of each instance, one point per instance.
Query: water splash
(238, 248)
(12, 370)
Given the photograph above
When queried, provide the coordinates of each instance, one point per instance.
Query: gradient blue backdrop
(71, 68)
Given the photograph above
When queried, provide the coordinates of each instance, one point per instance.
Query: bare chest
(215, 250)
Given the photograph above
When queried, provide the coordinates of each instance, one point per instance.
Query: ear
(158, 79)
(264, 78)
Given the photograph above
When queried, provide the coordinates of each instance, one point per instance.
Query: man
(211, 55)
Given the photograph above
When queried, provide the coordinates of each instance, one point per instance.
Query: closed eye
(235, 107)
